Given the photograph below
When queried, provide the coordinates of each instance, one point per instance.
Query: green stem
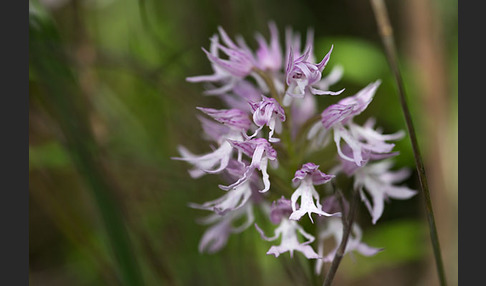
(313, 276)
(348, 220)
(293, 160)
(269, 82)
(287, 132)
(386, 34)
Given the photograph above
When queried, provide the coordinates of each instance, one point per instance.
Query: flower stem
(269, 82)
(287, 133)
(348, 220)
(386, 34)
(313, 276)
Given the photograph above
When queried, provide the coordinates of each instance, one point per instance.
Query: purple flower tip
(234, 118)
(281, 208)
(311, 169)
(333, 205)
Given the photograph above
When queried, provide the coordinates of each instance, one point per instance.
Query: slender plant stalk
(386, 33)
(268, 80)
(312, 274)
(348, 220)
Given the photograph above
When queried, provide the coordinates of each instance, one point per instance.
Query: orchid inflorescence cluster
(264, 140)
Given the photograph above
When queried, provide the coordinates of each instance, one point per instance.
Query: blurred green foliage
(403, 240)
(108, 105)
(48, 155)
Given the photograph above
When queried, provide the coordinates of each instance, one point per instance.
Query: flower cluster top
(269, 128)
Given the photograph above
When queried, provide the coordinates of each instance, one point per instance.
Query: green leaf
(363, 61)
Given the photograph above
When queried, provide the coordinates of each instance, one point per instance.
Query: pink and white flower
(235, 123)
(360, 139)
(268, 112)
(305, 178)
(379, 182)
(261, 151)
(229, 71)
(269, 57)
(288, 231)
(301, 75)
(222, 227)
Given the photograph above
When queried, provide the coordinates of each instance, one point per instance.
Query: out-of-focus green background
(108, 104)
